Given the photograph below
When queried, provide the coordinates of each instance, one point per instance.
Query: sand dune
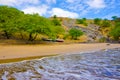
(21, 51)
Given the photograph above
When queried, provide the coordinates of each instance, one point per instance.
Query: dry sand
(21, 51)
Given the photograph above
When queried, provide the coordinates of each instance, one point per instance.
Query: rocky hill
(91, 31)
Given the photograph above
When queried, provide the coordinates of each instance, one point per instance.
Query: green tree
(75, 33)
(8, 20)
(21, 26)
(97, 21)
(31, 23)
(55, 21)
(35, 24)
(28, 26)
(56, 31)
(115, 32)
(82, 21)
(55, 16)
(105, 23)
(114, 18)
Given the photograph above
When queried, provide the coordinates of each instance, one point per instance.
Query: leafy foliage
(114, 18)
(82, 21)
(29, 26)
(56, 31)
(75, 33)
(55, 21)
(14, 21)
(105, 23)
(97, 21)
(115, 32)
(8, 19)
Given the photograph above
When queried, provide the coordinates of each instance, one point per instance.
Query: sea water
(100, 65)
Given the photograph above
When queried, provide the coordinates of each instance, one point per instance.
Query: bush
(115, 32)
(82, 21)
(97, 21)
(75, 33)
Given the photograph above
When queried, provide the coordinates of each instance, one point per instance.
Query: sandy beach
(21, 51)
(99, 65)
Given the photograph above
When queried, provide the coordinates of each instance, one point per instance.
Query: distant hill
(92, 31)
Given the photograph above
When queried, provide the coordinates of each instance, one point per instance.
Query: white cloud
(8, 2)
(75, 1)
(31, 1)
(70, 1)
(96, 3)
(51, 1)
(17, 2)
(78, 7)
(63, 13)
(41, 10)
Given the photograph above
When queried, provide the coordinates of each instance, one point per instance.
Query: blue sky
(68, 8)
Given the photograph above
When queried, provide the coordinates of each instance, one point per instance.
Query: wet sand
(99, 65)
(22, 51)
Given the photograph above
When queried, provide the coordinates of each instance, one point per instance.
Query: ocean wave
(100, 65)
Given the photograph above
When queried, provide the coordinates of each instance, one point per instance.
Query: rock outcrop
(91, 31)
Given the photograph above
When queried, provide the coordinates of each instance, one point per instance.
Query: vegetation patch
(32, 28)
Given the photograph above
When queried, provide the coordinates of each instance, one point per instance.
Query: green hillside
(15, 26)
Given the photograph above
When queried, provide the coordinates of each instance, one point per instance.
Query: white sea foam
(99, 65)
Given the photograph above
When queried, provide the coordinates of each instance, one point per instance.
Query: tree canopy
(8, 20)
(115, 32)
(82, 21)
(75, 33)
(97, 21)
(14, 24)
(14, 21)
(105, 23)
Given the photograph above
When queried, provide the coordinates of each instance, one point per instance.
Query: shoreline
(3, 61)
(14, 53)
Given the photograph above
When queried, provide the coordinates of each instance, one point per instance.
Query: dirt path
(19, 51)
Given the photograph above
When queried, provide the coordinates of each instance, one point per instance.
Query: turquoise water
(101, 65)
